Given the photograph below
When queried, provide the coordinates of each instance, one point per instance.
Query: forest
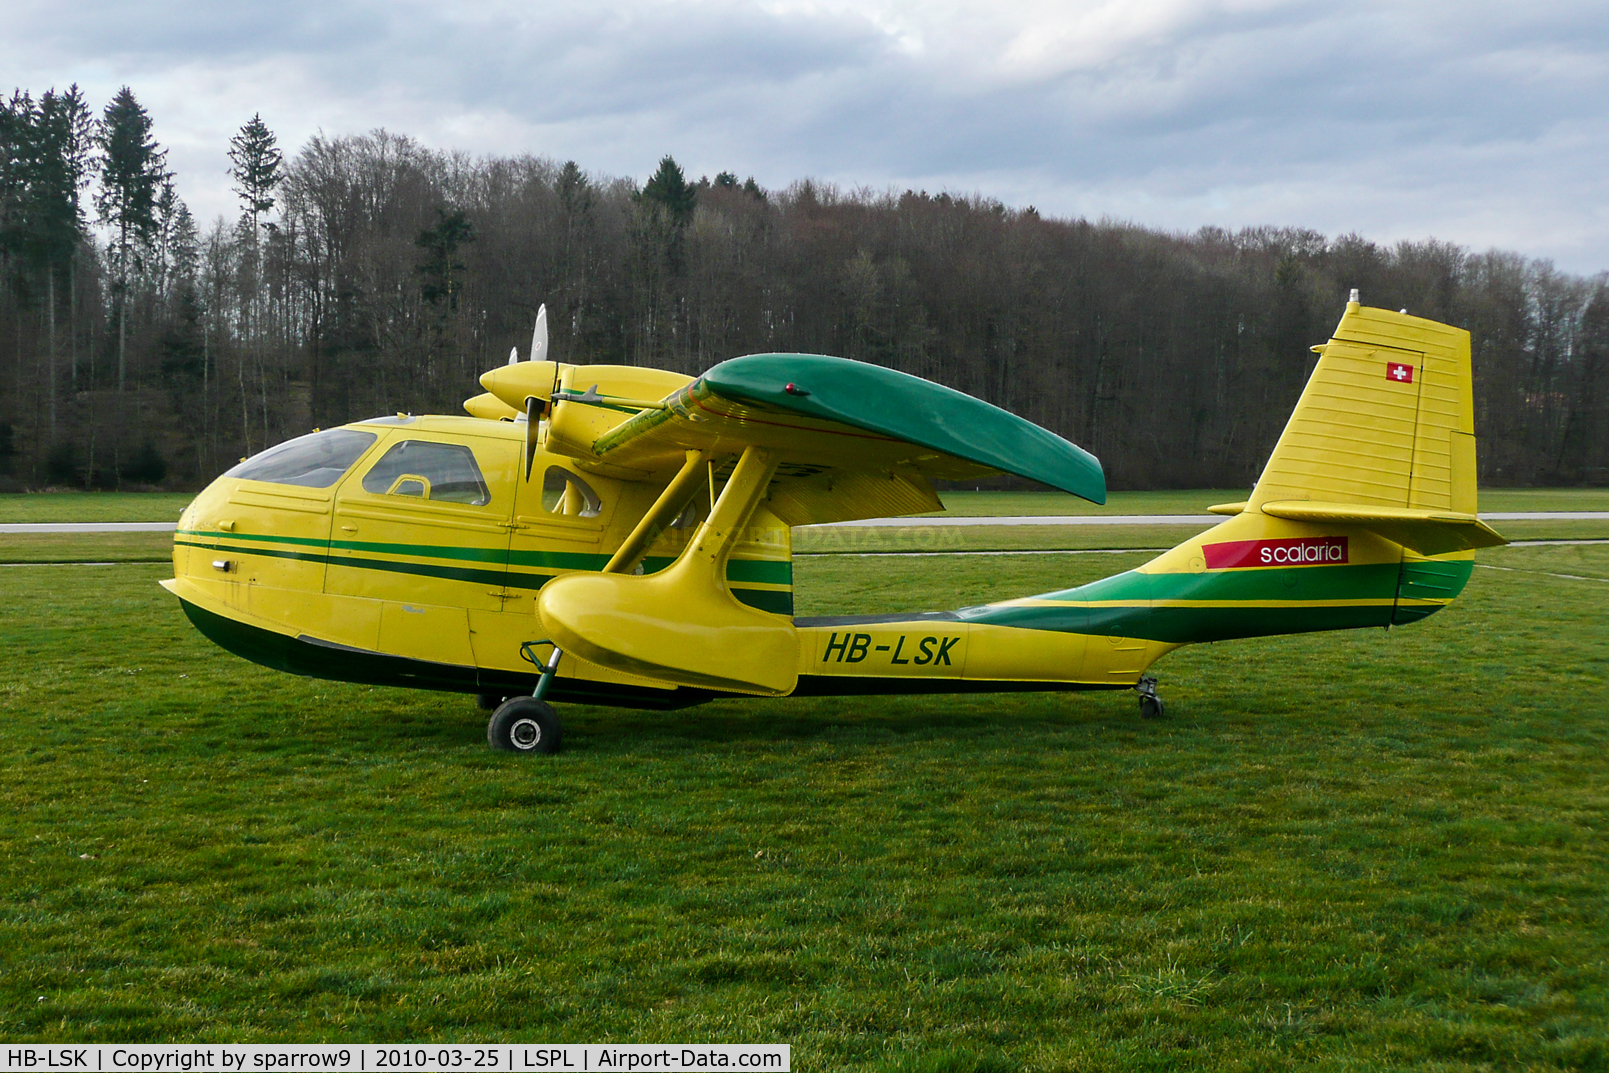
(367, 274)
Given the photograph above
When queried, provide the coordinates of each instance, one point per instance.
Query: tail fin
(1364, 516)
(1365, 513)
(1383, 437)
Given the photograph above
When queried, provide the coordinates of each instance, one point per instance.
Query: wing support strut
(671, 502)
(683, 625)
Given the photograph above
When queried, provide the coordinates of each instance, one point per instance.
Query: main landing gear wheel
(524, 725)
(1150, 704)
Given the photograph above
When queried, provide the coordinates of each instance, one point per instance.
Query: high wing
(854, 440)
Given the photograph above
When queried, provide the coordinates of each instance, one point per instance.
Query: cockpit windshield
(313, 461)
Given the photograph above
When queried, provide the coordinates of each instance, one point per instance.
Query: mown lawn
(93, 506)
(995, 504)
(1362, 851)
(807, 543)
(85, 547)
(166, 506)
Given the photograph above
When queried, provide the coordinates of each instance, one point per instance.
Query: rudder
(1387, 419)
(1383, 436)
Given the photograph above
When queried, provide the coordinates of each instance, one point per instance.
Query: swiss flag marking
(1399, 371)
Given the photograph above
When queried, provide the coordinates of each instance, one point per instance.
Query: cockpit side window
(439, 472)
(312, 461)
(687, 518)
(565, 493)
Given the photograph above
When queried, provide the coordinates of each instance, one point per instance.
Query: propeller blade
(513, 355)
(539, 336)
(533, 415)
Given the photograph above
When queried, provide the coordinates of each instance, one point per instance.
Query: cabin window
(314, 461)
(439, 472)
(565, 493)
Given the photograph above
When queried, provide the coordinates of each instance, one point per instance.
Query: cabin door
(561, 516)
(420, 540)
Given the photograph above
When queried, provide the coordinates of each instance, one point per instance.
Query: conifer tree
(670, 200)
(16, 151)
(177, 243)
(256, 164)
(441, 272)
(132, 171)
(67, 143)
(668, 187)
(44, 164)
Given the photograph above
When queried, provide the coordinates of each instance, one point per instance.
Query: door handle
(350, 528)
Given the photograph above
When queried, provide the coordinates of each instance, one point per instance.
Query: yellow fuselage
(648, 540)
(388, 586)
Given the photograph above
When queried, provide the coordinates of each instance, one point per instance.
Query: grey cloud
(145, 35)
(1396, 119)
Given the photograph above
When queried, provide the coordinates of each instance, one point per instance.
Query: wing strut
(671, 502)
(683, 625)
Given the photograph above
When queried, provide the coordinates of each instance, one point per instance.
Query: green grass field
(166, 506)
(998, 504)
(1004, 504)
(158, 547)
(93, 506)
(1363, 851)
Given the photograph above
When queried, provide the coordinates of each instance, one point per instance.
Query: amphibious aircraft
(619, 535)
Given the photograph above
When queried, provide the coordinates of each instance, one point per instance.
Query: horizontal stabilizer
(1428, 532)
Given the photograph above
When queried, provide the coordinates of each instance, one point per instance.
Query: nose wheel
(525, 725)
(1150, 704)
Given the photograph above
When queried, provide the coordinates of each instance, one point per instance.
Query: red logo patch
(1301, 551)
(1400, 371)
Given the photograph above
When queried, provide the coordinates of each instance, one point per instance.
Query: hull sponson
(321, 659)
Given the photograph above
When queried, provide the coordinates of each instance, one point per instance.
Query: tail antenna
(539, 336)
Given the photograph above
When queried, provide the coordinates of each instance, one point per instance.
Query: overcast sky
(1479, 123)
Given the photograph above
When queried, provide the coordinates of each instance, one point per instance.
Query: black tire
(1150, 707)
(524, 725)
(489, 702)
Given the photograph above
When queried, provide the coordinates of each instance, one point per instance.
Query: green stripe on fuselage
(1436, 579)
(776, 601)
(738, 571)
(760, 571)
(395, 566)
(1257, 603)
(1356, 582)
(558, 560)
